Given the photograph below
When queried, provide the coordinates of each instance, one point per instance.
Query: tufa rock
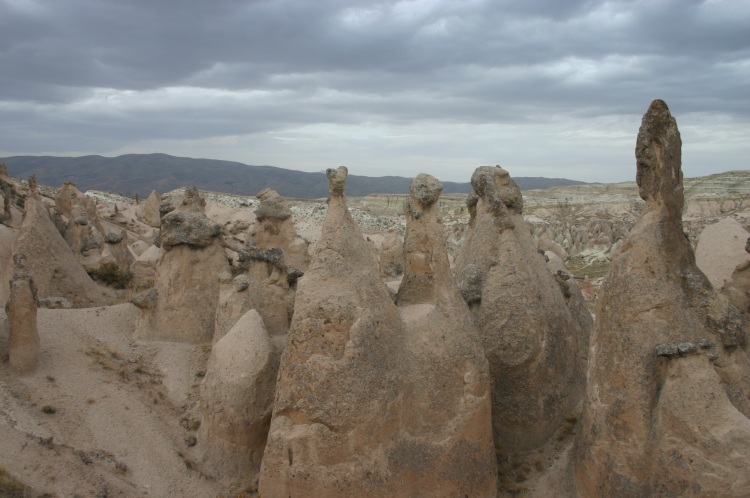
(536, 349)
(51, 262)
(148, 211)
(236, 399)
(392, 255)
(186, 280)
(21, 309)
(187, 223)
(334, 430)
(273, 260)
(448, 414)
(656, 426)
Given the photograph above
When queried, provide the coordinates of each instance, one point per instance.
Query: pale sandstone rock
(83, 230)
(138, 247)
(275, 257)
(148, 211)
(187, 276)
(720, 250)
(7, 238)
(237, 399)
(536, 349)
(143, 269)
(334, 430)
(449, 409)
(51, 263)
(392, 255)
(547, 244)
(21, 309)
(656, 425)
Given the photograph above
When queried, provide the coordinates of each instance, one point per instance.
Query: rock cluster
(271, 262)
(51, 262)
(349, 417)
(660, 420)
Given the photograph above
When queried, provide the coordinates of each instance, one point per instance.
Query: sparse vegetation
(49, 409)
(110, 274)
(10, 487)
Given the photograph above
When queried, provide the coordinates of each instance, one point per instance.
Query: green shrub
(110, 274)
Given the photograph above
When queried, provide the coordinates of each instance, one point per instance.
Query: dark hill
(133, 174)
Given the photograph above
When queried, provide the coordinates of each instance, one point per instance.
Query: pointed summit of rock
(666, 402)
(338, 382)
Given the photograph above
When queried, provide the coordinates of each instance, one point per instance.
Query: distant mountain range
(133, 174)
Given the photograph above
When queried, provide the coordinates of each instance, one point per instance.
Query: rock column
(21, 308)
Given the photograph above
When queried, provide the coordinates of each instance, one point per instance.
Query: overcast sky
(552, 88)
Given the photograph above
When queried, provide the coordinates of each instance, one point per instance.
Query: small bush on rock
(110, 274)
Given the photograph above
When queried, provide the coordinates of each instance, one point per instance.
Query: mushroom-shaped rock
(449, 410)
(536, 349)
(187, 275)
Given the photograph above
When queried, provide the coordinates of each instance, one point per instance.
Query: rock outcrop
(187, 275)
(237, 399)
(721, 250)
(666, 410)
(448, 415)
(21, 309)
(148, 211)
(536, 350)
(392, 255)
(51, 262)
(82, 230)
(271, 262)
(336, 411)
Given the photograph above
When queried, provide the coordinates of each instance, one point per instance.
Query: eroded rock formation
(392, 255)
(666, 410)
(148, 212)
(186, 289)
(448, 414)
(270, 264)
(237, 399)
(21, 308)
(82, 230)
(51, 262)
(536, 350)
(335, 420)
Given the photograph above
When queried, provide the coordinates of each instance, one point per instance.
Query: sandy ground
(120, 422)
